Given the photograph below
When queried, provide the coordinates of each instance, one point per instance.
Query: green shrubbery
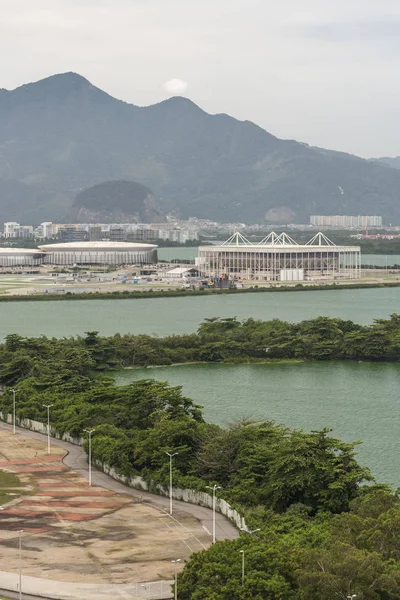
(324, 534)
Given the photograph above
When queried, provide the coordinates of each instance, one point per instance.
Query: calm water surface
(164, 316)
(359, 401)
(185, 253)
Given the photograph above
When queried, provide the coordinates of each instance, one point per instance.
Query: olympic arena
(17, 257)
(280, 258)
(80, 253)
(99, 253)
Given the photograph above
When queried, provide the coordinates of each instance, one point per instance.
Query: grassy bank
(127, 295)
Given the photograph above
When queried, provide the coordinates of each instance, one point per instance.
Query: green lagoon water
(164, 316)
(359, 401)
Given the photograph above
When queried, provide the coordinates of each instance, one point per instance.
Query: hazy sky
(320, 71)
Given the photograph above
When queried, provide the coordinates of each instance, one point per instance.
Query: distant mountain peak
(69, 79)
(62, 134)
(56, 87)
(179, 103)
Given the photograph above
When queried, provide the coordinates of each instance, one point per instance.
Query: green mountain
(132, 202)
(62, 135)
(391, 162)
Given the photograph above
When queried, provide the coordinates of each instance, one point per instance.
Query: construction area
(75, 533)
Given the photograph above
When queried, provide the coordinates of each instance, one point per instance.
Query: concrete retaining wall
(138, 483)
(41, 428)
(186, 495)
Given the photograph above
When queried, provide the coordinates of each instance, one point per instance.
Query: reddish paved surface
(50, 503)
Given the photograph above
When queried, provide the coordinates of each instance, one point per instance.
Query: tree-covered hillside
(116, 202)
(62, 134)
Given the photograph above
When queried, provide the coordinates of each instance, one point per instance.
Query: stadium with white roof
(280, 258)
(99, 253)
(16, 257)
(80, 253)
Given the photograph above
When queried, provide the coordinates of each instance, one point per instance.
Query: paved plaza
(86, 535)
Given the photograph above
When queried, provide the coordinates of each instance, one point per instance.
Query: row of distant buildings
(345, 221)
(125, 232)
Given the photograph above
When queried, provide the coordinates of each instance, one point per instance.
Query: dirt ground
(73, 532)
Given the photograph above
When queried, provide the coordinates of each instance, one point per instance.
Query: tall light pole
(89, 432)
(214, 488)
(21, 531)
(242, 553)
(249, 531)
(175, 563)
(48, 406)
(13, 392)
(171, 455)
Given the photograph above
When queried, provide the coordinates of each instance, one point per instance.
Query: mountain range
(61, 135)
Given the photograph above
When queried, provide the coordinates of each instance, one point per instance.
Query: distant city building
(45, 230)
(95, 233)
(10, 229)
(143, 235)
(71, 234)
(15, 230)
(117, 234)
(345, 221)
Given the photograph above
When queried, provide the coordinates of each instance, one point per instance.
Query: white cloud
(175, 86)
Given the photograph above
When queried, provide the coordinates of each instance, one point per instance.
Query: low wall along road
(190, 507)
(138, 483)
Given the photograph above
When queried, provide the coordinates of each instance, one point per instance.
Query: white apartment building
(345, 221)
(13, 229)
(44, 230)
(10, 229)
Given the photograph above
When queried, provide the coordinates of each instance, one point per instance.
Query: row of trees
(219, 340)
(323, 533)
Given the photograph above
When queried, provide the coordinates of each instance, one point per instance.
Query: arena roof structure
(280, 258)
(97, 246)
(99, 253)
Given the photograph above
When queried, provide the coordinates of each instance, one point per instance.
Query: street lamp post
(214, 488)
(89, 432)
(171, 455)
(20, 563)
(48, 406)
(249, 531)
(242, 553)
(175, 563)
(13, 392)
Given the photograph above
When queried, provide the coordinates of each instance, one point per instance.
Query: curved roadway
(76, 460)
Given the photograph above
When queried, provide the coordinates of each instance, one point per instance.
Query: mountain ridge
(62, 134)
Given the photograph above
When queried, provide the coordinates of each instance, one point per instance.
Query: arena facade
(280, 258)
(99, 253)
(80, 253)
(20, 257)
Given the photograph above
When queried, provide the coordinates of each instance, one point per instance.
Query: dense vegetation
(230, 340)
(117, 202)
(323, 533)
